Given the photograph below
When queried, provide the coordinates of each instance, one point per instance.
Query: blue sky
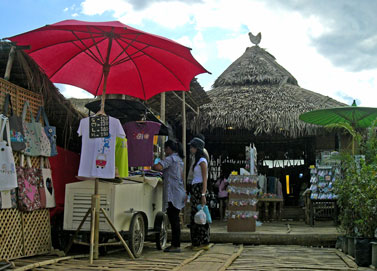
(329, 46)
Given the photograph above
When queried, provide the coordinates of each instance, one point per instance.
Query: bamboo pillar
(8, 69)
(184, 135)
(163, 118)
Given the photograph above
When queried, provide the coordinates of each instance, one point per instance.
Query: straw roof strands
(257, 94)
(261, 109)
(255, 66)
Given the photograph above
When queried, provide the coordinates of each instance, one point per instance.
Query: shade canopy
(357, 117)
(124, 60)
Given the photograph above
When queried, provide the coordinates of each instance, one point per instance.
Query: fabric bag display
(8, 199)
(36, 140)
(49, 130)
(29, 180)
(16, 129)
(46, 188)
(206, 211)
(8, 176)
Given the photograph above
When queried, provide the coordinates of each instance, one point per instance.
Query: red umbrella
(97, 56)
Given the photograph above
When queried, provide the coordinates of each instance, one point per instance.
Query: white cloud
(285, 34)
(65, 10)
(69, 91)
(75, 15)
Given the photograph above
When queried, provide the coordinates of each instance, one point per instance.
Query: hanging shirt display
(140, 142)
(121, 157)
(97, 158)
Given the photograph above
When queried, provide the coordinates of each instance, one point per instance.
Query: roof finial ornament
(255, 39)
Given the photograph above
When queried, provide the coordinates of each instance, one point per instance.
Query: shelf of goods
(242, 209)
(323, 200)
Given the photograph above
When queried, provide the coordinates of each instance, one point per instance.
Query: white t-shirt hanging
(97, 158)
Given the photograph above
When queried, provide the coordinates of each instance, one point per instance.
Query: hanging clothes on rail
(140, 142)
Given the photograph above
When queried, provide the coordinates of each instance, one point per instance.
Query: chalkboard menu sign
(99, 126)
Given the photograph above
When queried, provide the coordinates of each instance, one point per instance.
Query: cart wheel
(162, 235)
(137, 235)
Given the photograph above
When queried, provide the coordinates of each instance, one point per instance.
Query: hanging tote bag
(8, 176)
(8, 199)
(28, 179)
(37, 143)
(16, 129)
(47, 192)
(49, 130)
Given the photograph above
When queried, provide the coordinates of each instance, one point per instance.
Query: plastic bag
(206, 211)
(200, 217)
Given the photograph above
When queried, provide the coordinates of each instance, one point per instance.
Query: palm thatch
(27, 74)
(194, 98)
(257, 94)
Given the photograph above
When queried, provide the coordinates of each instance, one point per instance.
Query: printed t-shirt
(140, 142)
(97, 158)
(121, 157)
(198, 178)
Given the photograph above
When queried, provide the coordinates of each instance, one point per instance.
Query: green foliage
(357, 189)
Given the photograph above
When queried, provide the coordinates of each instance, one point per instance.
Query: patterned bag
(28, 186)
(49, 130)
(36, 140)
(16, 129)
(8, 177)
(46, 189)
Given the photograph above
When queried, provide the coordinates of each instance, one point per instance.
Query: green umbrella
(357, 117)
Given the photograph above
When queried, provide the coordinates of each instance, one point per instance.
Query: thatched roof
(27, 74)
(195, 98)
(257, 94)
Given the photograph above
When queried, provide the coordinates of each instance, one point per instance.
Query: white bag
(47, 183)
(200, 217)
(8, 175)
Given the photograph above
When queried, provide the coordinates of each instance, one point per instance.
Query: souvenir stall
(242, 209)
(26, 186)
(130, 202)
(321, 202)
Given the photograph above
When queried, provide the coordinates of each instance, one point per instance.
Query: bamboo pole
(76, 232)
(118, 234)
(184, 135)
(231, 259)
(47, 262)
(8, 69)
(91, 254)
(163, 118)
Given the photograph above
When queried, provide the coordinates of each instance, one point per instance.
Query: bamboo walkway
(220, 257)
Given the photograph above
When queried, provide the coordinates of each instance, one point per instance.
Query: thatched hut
(256, 100)
(257, 94)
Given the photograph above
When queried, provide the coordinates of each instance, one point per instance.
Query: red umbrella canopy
(111, 56)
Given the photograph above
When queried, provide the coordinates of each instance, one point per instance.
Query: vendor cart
(134, 206)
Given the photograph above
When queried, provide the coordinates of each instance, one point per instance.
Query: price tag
(98, 126)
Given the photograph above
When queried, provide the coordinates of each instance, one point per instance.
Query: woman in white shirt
(199, 233)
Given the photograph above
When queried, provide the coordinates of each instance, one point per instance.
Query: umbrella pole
(103, 97)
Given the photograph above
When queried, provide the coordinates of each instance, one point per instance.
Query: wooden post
(118, 234)
(163, 118)
(96, 205)
(8, 69)
(184, 135)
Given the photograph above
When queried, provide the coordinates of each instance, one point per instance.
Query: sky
(329, 46)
